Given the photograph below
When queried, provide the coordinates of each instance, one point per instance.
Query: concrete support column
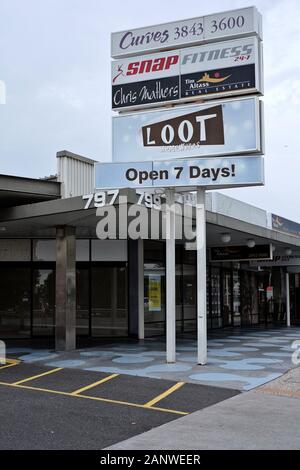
(136, 288)
(170, 277)
(65, 293)
(201, 277)
(288, 304)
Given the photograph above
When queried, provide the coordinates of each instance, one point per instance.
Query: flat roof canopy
(16, 191)
(41, 220)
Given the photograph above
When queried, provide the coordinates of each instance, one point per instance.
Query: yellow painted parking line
(102, 381)
(105, 400)
(10, 363)
(136, 405)
(28, 379)
(164, 394)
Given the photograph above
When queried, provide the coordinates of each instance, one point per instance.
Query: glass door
(227, 298)
(15, 305)
(43, 302)
(109, 301)
(236, 292)
(82, 301)
(215, 293)
(295, 298)
(189, 283)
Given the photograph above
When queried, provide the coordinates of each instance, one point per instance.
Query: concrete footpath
(265, 418)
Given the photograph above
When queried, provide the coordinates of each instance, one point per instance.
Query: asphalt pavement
(60, 408)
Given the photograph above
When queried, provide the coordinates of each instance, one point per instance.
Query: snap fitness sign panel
(231, 127)
(188, 173)
(228, 67)
(234, 23)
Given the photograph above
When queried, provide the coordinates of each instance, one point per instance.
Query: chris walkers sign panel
(193, 31)
(188, 173)
(231, 127)
(219, 69)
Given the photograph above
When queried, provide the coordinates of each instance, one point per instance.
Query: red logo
(147, 66)
(120, 71)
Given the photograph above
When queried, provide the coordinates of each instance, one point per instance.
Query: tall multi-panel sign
(187, 94)
(208, 71)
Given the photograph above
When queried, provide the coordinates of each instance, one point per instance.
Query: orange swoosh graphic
(207, 78)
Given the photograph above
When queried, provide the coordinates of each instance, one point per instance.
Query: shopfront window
(44, 250)
(15, 303)
(275, 291)
(82, 250)
(249, 298)
(15, 250)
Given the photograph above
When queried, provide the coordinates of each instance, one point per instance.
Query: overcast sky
(55, 62)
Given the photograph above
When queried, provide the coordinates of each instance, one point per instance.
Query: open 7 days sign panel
(218, 69)
(189, 32)
(187, 174)
(231, 127)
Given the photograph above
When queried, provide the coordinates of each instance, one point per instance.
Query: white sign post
(288, 306)
(170, 277)
(201, 277)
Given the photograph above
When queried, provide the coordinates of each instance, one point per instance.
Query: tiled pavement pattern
(239, 359)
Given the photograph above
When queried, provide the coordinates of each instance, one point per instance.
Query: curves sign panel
(228, 24)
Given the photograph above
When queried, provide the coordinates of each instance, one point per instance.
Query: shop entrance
(102, 300)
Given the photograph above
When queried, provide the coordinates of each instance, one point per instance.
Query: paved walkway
(267, 418)
(240, 360)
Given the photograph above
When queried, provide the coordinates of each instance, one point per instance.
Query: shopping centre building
(57, 277)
